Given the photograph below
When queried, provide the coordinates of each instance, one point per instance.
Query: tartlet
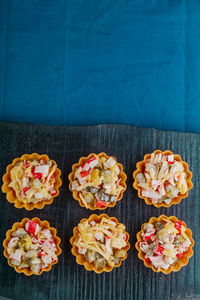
(96, 247)
(162, 179)
(24, 181)
(97, 181)
(164, 244)
(32, 246)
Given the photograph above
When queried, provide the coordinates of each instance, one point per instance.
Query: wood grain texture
(67, 280)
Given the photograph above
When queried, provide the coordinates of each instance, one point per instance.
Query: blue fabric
(80, 62)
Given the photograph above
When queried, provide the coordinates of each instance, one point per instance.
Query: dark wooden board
(67, 280)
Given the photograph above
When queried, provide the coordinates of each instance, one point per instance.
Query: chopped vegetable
(102, 242)
(25, 189)
(25, 248)
(33, 180)
(101, 204)
(32, 227)
(147, 259)
(163, 242)
(179, 255)
(98, 182)
(178, 226)
(162, 179)
(158, 250)
(26, 165)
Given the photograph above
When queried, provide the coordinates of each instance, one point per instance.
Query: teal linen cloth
(82, 62)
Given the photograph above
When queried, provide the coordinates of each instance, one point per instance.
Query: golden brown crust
(44, 224)
(121, 175)
(140, 167)
(183, 261)
(10, 193)
(81, 260)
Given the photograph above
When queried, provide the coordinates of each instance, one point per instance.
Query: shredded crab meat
(32, 247)
(101, 242)
(98, 181)
(163, 178)
(33, 180)
(164, 242)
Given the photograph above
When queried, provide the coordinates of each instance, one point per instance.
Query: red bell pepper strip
(42, 161)
(107, 237)
(170, 162)
(86, 173)
(42, 253)
(41, 241)
(126, 238)
(36, 175)
(26, 165)
(31, 227)
(178, 226)
(158, 250)
(157, 190)
(147, 259)
(148, 237)
(88, 161)
(179, 255)
(34, 240)
(101, 204)
(25, 189)
(52, 194)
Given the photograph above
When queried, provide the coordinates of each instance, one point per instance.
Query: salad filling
(98, 181)
(102, 243)
(32, 247)
(164, 243)
(33, 180)
(163, 178)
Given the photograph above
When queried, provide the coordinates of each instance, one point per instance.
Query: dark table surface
(67, 280)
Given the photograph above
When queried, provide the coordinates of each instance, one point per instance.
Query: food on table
(164, 242)
(162, 178)
(98, 180)
(31, 181)
(32, 247)
(101, 241)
